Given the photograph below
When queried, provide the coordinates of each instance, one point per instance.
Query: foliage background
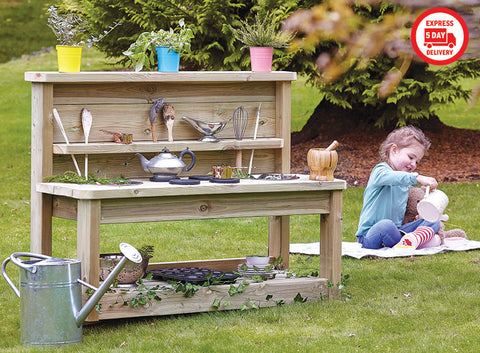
(393, 89)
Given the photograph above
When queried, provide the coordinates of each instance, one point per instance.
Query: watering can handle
(31, 268)
(427, 191)
(9, 281)
(16, 261)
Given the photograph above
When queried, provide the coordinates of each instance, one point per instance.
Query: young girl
(386, 194)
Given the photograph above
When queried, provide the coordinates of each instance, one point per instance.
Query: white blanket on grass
(355, 249)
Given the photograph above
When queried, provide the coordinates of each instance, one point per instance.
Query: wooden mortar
(322, 162)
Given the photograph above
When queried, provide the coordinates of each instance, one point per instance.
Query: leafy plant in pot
(261, 37)
(70, 30)
(167, 45)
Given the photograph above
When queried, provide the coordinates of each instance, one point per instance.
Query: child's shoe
(413, 240)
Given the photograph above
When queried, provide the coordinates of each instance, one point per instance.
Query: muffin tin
(194, 275)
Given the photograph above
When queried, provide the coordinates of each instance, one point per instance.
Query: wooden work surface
(121, 101)
(92, 205)
(163, 189)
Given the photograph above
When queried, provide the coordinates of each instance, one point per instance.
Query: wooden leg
(331, 241)
(279, 238)
(41, 224)
(88, 243)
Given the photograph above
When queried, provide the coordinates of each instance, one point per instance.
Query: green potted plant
(70, 30)
(261, 37)
(166, 44)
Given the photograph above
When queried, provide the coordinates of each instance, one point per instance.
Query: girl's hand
(427, 181)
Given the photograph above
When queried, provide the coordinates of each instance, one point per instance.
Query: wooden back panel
(121, 102)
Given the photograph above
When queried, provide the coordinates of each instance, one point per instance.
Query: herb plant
(262, 33)
(73, 178)
(142, 52)
(70, 28)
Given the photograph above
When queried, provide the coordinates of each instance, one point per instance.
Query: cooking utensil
(209, 129)
(332, 146)
(87, 125)
(240, 121)
(166, 166)
(254, 138)
(154, 110)
(60, 125)
(322, 163)
(119, 137)
(169, 117)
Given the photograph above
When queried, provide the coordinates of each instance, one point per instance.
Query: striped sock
(419, 236)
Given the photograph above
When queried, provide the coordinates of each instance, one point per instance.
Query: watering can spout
(130, 254)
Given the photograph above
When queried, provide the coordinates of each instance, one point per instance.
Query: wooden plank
(283, 124)
(279, 238)
(88, 243)
(265, 294)
(192, 93)
(129, 166)
(41, 166)
(182, 76)
(176, 146)
(331, 242)
(64, 207)
(214, 206)
(151, 189)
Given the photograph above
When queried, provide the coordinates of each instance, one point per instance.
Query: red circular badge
(439, 36)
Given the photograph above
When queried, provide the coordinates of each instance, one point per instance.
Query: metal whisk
(240, 121)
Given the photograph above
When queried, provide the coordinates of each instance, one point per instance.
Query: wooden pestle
(332, 146)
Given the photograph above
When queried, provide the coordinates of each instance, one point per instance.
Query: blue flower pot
(168, 60)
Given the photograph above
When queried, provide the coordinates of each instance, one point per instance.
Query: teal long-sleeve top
(385, 197)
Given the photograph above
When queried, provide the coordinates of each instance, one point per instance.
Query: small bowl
(258, 260)
(129, 274)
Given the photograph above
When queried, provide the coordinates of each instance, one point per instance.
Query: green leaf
(298, 299)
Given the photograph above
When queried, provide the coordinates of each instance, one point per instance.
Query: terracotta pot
(322, 163)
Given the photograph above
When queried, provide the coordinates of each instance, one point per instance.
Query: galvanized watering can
(50, 295)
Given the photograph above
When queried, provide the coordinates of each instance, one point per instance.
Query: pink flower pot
(261, 58)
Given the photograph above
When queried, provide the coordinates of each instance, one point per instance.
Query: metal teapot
(50, 295)
(166, 166)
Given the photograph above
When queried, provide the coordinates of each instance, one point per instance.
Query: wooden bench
(120, 101)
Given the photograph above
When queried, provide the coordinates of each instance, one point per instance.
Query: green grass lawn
(23, 28)
(427, 304)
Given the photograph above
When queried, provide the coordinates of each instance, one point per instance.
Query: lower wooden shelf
(272, 292)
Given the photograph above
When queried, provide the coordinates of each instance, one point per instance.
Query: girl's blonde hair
(403, 137)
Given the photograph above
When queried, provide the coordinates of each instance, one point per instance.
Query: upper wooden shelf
(151, 76)
(144, 146)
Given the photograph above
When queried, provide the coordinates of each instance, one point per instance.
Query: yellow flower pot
(69, 58)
